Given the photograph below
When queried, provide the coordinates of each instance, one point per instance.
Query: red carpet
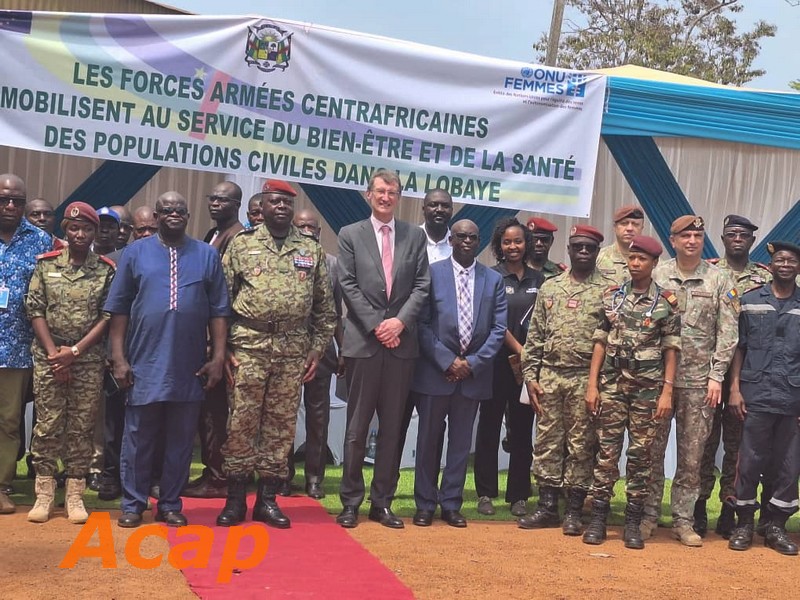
(314, 559)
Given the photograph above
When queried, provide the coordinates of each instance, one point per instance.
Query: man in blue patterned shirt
(20, 243)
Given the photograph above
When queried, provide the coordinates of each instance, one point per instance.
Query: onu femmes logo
(541, 80)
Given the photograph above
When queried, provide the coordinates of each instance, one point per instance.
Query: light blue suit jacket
(438, 333)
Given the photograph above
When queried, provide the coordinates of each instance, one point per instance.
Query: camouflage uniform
(551, 269)
(636, 331)
(71, 301)
(283, 308)
(726, 425)
(709, 311)
(613, 264)
(557, 354)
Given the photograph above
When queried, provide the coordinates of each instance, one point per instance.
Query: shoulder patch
(49, 255)
(670, 297)
(107, 260)
(712, 261)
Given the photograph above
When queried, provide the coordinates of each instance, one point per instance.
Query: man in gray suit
(383, 271)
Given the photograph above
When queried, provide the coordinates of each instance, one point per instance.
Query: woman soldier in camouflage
(630, 386)
(64, 303)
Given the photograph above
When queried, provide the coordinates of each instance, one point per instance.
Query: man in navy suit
(461, 331)
(383, 272)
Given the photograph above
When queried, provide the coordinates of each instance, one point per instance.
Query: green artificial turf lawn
(403, 504)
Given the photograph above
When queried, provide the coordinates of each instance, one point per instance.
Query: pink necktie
(386, 258)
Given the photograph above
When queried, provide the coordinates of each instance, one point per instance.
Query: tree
(698, 38)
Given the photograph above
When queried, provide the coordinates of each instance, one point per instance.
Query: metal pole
(555, 33)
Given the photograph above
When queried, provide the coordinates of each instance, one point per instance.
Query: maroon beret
(688, 223)
(540, 225)
(628, 212)
(80, 211)
(275, 186)
(586, 231)
(646, 244)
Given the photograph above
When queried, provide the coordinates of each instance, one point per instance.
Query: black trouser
(317, 402)
(770, 443)
(212, 428)
(505, 393)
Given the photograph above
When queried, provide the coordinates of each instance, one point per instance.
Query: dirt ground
(483, 560)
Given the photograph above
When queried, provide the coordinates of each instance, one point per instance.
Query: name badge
(573, 303)
(54, 274)
(303, 262)
(5, 293)
(701, 294)
(253, 252)
(532, 290)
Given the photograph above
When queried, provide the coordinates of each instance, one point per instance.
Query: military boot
(235, 509)
(632, 534)
(266, 509)
(700, 525)
(76, 511)
(726, 521)
(573, 525)
(764, 519)
(742, 537)
(595, 533)
(546, 513)
(45, 488)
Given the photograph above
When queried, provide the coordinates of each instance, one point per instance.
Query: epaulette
(562, 266)
(670, 297)
(247, 231)
(613, 288)
(763, 266)
(51, 254)
(712, 261)
(107, 260)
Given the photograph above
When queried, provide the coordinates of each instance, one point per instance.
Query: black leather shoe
(453, 518)
(6, 489)
(172, 518)
(93, 481)
(129, 520)
(109, 490)
(777, 539)
(742, 537)
(270, 513)
(348, 518)
(386, 517)
(423, 518)
(206, 488)
(314, 490)
(285, 488)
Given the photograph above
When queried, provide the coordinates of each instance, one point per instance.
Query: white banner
(300, 102)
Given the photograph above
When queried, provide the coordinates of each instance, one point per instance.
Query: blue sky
(500, 28)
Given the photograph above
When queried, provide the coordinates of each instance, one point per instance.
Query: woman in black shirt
(512, 244)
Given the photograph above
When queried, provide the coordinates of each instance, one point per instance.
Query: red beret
(628, 212)
(646, 244)
(586, 231)
(540, 225)
(80, 211)
(275, 186)
(688, 223)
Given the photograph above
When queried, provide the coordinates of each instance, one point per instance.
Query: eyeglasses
(384, 191)
(473, 237)
(584, 247)
(169, 210)
(15, 200)
(275, 202)
(732, 235)
(221, 199)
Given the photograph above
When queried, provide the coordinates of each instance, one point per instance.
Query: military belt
(271, 327)
(632, 364)
(62, 341)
